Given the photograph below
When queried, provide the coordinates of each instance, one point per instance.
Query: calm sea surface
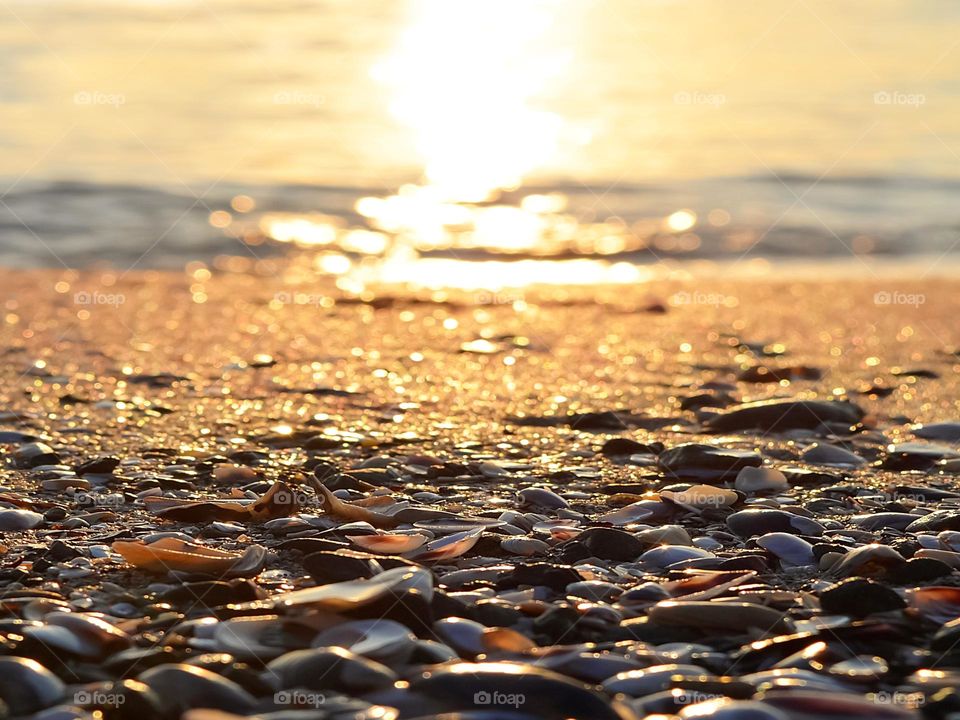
(643, 129)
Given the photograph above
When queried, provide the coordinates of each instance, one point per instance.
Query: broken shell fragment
(172, 554)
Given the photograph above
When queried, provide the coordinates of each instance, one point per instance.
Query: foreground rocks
(308, 538)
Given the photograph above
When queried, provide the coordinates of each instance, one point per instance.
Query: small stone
(611, 544)
(19, 519)
(860, 597)
(752, 480)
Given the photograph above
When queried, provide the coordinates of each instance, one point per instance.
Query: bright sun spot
(465, 78)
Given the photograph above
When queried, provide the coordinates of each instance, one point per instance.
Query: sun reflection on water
(468, 79)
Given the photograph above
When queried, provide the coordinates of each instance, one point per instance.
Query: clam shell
(385, 641)
(266, 637)
(356, 593)
(172, 554)
(629, 514)
(449, 547)
(388, 543)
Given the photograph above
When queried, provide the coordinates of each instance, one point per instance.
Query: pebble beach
(232, 494)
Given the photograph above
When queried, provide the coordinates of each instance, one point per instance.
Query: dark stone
(757, 563)
(780, 415)
(98, 466)
(706, 462)
(923, 494)
(760, 521)
(455, 688)
(611, 544)
(121, 700)
(332, 668)
(626, 446)
(182, 687)
(344, 564)
(34, 454)
(860, 597)
(408, 608)
(444, 606)
(60, 551)
(645, 631)
(936, 521)
(209, 593)
(496, 613)
(556, 577)
(918, 570)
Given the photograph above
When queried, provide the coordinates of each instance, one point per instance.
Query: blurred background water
(151, 132)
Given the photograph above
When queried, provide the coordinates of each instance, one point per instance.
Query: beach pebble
(760, 521)
(26, 686)
(860, 597)
(19, 519)
(706, 462)
(824, 454)
(752, 480)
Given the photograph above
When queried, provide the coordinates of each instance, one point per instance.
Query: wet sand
(457, 402)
